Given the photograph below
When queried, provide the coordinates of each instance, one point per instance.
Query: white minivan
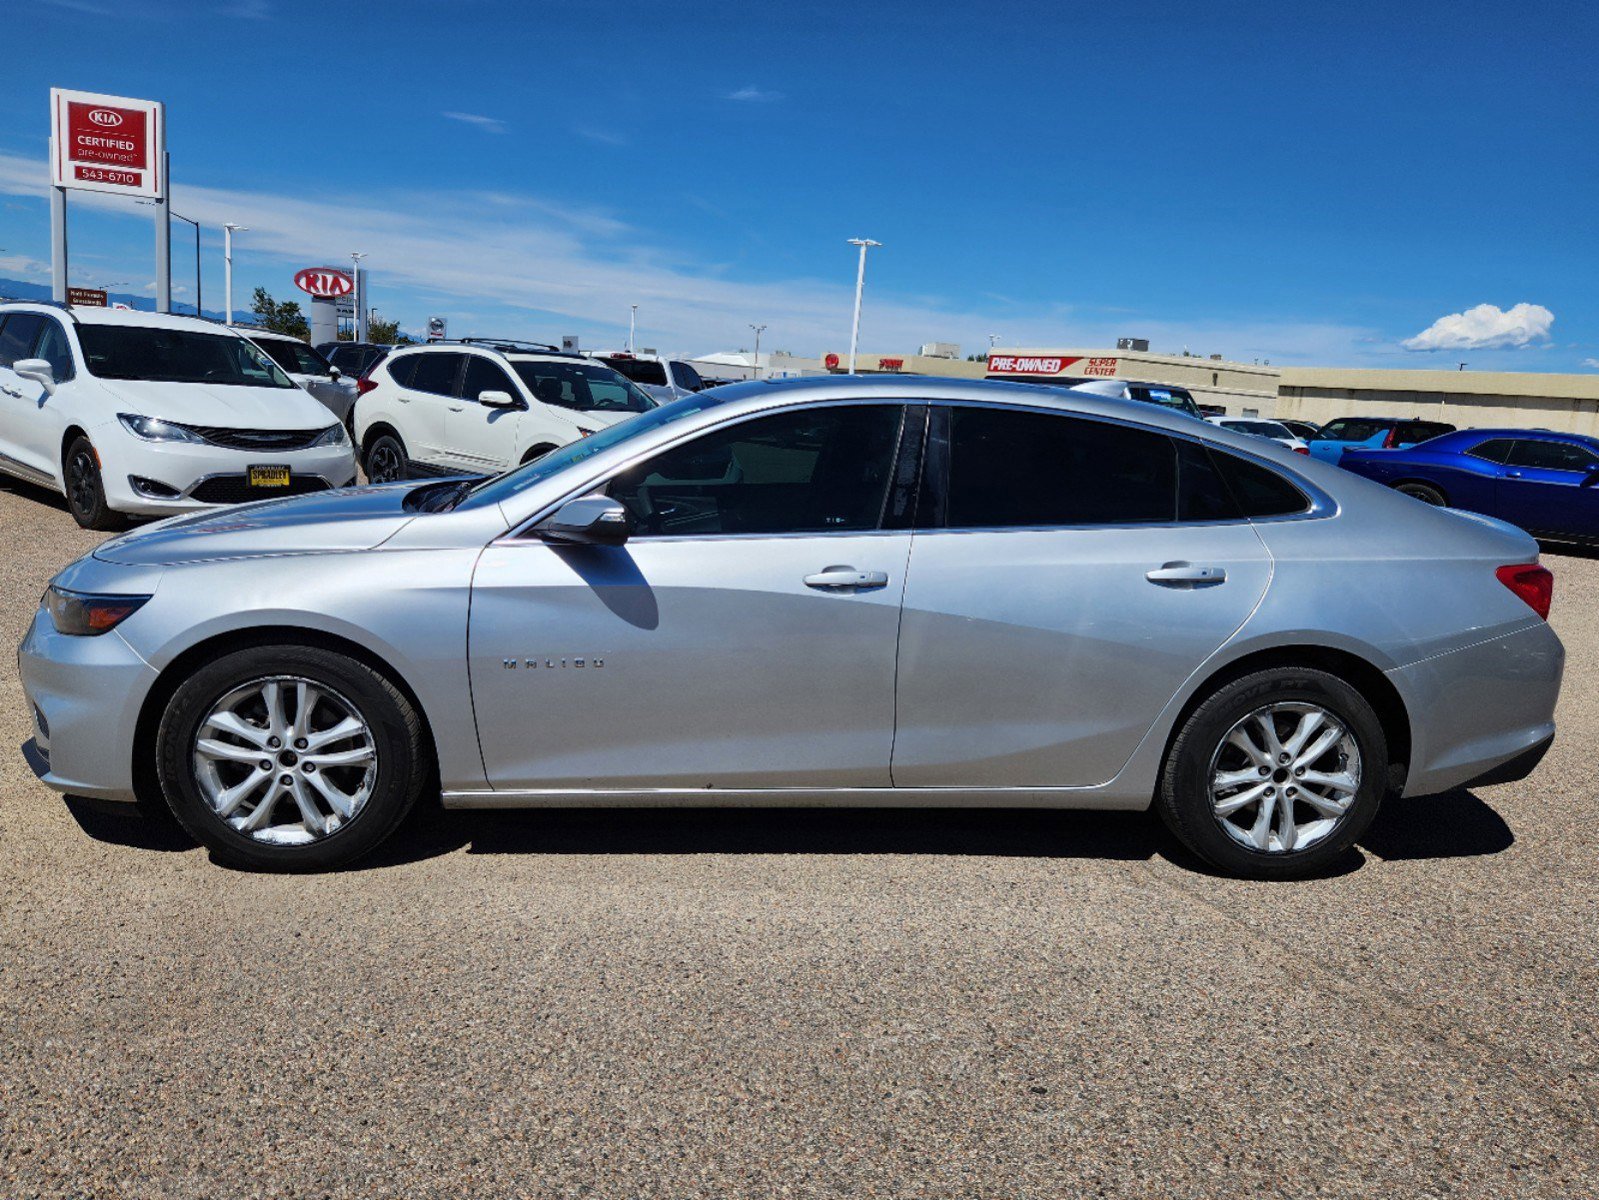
(149, 414)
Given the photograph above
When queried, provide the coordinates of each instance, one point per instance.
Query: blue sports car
(1545, 482)
(1389, 433)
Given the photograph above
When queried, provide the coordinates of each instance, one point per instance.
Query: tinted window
(585, 386)
(687, 377)
(1202, 494)
(1010, 468)
(54, 349)
(1166, 397)
(1553, 456)
(176, 356)
(17, 336)
(640, 370)
(485, 376)
(295, 357)
(1421, 431)
(1354, 430)
(817, 470)
(1494, 450)
(401, 369)
(436, 373)
(1258, 491)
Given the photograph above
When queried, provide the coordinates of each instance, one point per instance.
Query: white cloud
(20, 266)
(1591, 362)
(534, 268)
(1486, 327)
(753, 95)
(489, 124)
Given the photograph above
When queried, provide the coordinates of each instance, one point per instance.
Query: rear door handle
(847, 577)
(1181, 573)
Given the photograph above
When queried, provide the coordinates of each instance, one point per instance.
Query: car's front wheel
(85, 489)
(386, 460)
(1424, 492)
(1275, 775)
(290, 758)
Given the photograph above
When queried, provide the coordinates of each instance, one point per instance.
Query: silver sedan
(893, 591)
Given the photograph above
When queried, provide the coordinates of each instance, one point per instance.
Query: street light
(632, 325)
(198, 311)
(228, 230)
(758, 331)
(860, 284)
(992, 338)
(355, 318)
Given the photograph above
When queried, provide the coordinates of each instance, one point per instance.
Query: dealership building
(1469, 399)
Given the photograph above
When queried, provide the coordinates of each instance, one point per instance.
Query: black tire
(1184, 797)
(1424, 492)
(535, 452)
(403, 762)
(386, 460)
(80, 474)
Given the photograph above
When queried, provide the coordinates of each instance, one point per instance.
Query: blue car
(1545, 482)
(1389, 433)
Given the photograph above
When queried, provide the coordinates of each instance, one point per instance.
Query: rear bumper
(1484, 713)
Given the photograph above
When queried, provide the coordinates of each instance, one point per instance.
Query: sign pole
(58, 238)
(163, 242)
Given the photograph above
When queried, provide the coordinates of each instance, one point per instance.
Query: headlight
(154, 429)
(333, 435)
(81, 615)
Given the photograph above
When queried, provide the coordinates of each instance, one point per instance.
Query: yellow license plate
(269, 477)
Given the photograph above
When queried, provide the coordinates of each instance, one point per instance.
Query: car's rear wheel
(386, 460)
(290, 758)
(536, 452)
(1275, 775)
(86, 499)
(1426, 493)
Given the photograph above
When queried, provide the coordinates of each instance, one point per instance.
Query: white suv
(144, 413)
(479, 406)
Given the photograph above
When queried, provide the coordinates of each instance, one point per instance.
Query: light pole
(228, 230)
(992, 338)
(759, 329)
(178, 217)
(632, 325)
(355, 321)
(860, 284)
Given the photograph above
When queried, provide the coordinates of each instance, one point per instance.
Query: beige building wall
(1468, 399)
(837, 363)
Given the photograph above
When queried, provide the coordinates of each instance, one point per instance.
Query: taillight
(363, 385)
(1301, 449)
(1534, 584)
(1392, 440)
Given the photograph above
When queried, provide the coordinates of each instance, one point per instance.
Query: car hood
(232, 405)
(320, 523)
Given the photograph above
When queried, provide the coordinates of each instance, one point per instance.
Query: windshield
(503, 487)
(1354, 431)
(585, 386)
(176, 356)
(1166, 397)
(295, 357)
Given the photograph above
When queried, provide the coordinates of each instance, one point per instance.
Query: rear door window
(1494, 450)
(484, 375)
(1258, 491)
(1553, 456)
(17, 336)
(436, 373)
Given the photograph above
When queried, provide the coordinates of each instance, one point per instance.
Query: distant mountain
(18, 289)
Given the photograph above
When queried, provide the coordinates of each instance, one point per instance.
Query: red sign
(1012, 364)
(831, 362)
(890, 364)
(1105, 367)
(86, 297)
(324, 281)
(107, 143)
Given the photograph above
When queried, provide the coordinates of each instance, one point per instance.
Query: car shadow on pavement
(33, 492)
(1455, 824)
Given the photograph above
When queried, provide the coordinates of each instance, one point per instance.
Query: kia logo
(324, 282)
(105, 118)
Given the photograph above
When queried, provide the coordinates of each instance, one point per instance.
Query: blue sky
(1263, 180)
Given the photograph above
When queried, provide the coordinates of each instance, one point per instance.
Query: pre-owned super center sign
(108, 143)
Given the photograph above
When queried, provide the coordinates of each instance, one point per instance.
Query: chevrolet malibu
(896, 591)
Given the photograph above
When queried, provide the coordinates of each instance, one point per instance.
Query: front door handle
(1186, 573)
(847, 577)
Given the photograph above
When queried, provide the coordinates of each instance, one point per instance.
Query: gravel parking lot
(802, 1003)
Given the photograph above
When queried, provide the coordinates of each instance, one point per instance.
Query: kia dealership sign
(108, 144)
(324, 281)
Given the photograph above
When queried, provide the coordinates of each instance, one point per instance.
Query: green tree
(380, 331)
(280, 318)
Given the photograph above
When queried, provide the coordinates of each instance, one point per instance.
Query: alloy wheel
(1284, 777)
(83, 482)
(383, 466)
(285, 760)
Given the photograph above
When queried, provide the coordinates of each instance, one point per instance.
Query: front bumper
(201, 475)
(84, 695)
(1480, 714)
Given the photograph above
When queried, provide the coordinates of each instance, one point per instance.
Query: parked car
(480, 406)
(666, 379)
(1301, 429)
(1371, 432)
(1260, 427)
(1544, 482)
(354, 359)
(307, 367)
(1108, 605)
(143, 413)
(1177, 399)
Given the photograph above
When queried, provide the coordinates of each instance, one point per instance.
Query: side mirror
(497, 399)
(587, 521)
(38, 370)
(335, 374)
(1591, 481)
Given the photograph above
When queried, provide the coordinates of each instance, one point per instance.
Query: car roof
(119, 316)
(1529, 434)
(272, 333)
